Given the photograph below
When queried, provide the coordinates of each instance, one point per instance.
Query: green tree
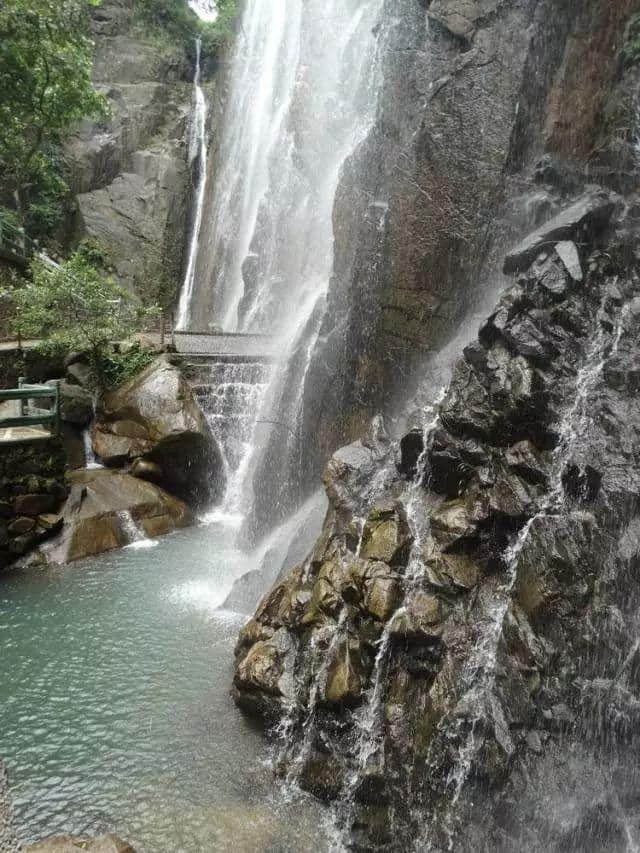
(75, 308)
(175, 18)
(45, 87)
(157, 279)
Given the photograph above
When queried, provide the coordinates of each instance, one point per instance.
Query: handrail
(30, 415)
(16, 243)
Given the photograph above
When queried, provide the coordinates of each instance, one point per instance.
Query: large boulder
(107, 509)
(76, 404)
(155, 422)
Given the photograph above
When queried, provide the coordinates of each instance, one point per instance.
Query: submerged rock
(69, 844)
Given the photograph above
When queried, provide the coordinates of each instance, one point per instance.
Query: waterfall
(90, 460)
(136, 537)
(302, 95)
(197, 153)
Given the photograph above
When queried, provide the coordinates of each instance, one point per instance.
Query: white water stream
(197, 152)
(301, 97)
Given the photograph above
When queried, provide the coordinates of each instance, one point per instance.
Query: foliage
(157, 279)
(45, 87)
(74, 307)
(631, 49)
(119, 367)
(215, 35)
(9, 217)
(94, 253)
(176, 19)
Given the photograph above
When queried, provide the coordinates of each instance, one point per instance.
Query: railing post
(21, 403)
(173, 330)
(56, 423)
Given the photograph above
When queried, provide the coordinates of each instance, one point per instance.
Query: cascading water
(90, 460)
(302, 97)
(480, 671)
(229, 394)
(198, 160)
(135, 536)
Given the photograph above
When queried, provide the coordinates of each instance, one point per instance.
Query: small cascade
(198, 161)
(89, 456)
(136, 537)
(229, 394)
(370, 718)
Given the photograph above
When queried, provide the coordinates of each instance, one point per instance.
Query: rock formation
(461, 641)
(32, 491)
(109, 509)
(473, 95)
(154, 421)
(130, 172)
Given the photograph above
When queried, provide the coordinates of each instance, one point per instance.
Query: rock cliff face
(457, 660)
(131, 172)
(455, 666)
(474, 96)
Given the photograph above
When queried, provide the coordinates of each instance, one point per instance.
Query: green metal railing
(30, 414)
(15, 245)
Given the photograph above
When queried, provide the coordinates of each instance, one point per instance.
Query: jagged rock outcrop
(130, 172)
(154, 422)
(456, 661)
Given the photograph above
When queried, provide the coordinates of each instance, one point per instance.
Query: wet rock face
(461, 640)
(472, 94)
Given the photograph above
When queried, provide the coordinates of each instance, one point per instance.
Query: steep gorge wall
(474, 94)
(456, 661)
(131, 172)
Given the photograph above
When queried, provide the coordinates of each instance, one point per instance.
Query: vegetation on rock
(157, 279)
(177, 20)
(45, 84)
(73, 307)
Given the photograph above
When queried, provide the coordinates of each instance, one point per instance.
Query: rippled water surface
(116, 712)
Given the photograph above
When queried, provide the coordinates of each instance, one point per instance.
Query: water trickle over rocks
(462, 639)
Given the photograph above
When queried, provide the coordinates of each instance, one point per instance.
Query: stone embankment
(33, 490)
